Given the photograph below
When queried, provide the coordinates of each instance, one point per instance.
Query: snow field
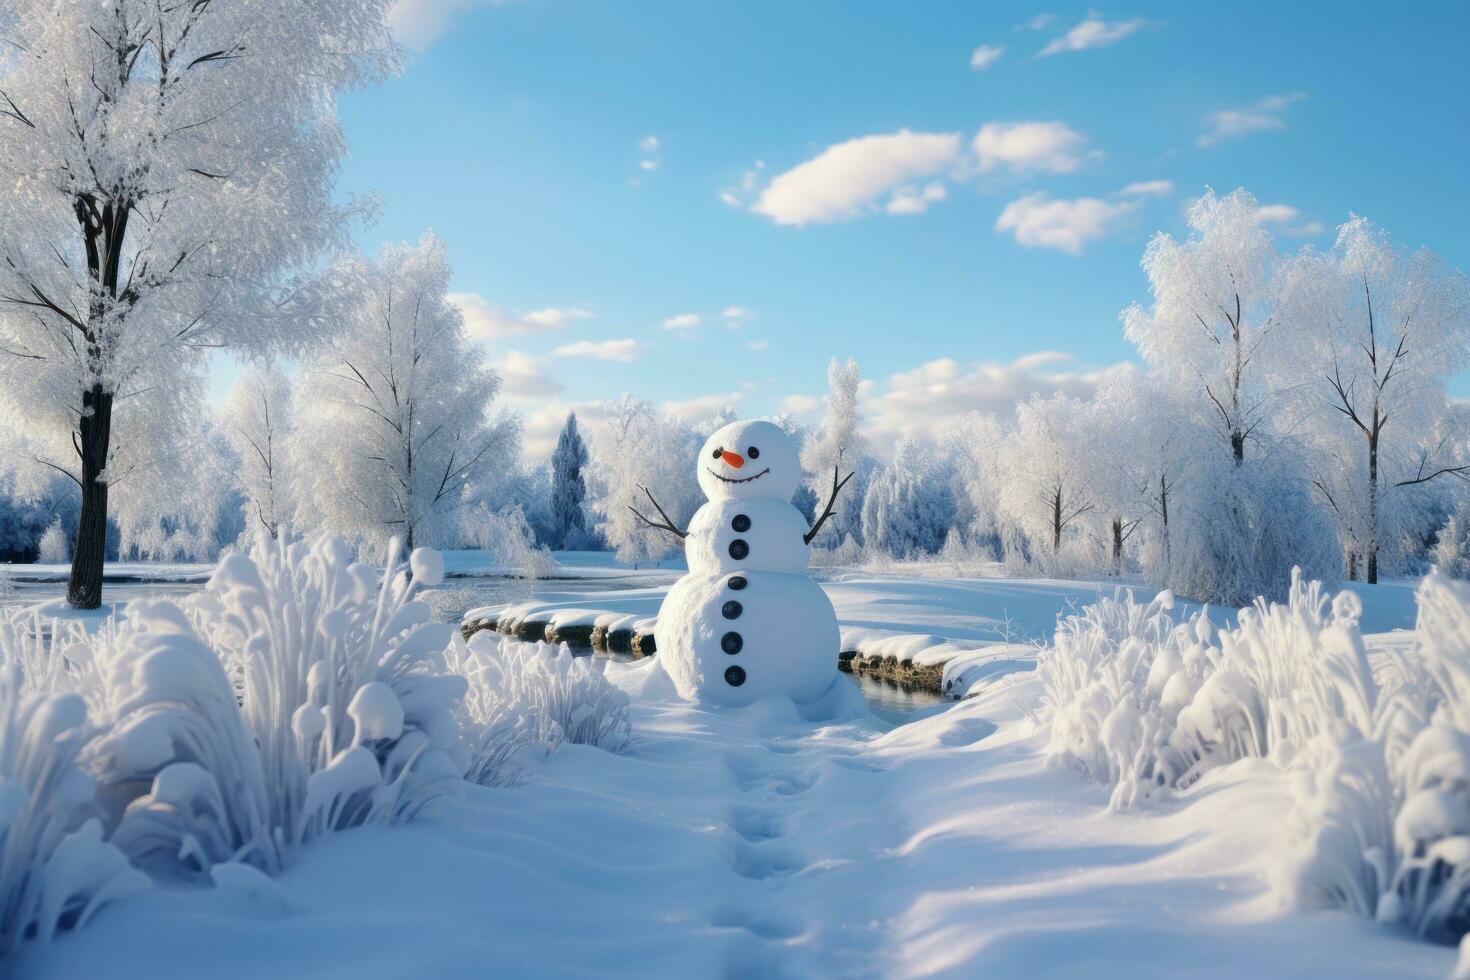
(763, 843)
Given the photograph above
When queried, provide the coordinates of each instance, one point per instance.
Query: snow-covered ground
(758, 842)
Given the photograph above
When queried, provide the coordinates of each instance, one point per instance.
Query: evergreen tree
(568, 489)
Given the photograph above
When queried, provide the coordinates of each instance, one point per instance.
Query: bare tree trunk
(1056, 521)
(84, 585)
(1117, 547)
(1164, 512)
(103, 231)
(1352, 565)
(1372, 548)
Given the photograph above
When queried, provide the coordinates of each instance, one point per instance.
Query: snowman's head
(749, 459)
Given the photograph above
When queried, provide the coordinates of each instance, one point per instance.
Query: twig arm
(665, 525)
(827, 511)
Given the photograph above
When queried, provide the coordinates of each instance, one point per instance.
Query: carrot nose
(732, 459)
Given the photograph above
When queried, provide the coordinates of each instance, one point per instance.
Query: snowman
(747, 620)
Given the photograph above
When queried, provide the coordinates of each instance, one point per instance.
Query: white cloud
(923, 401)
(759, 345)
(1094, 32)
(1261, 116)
(1148, 188)
(801, 405)
(624, 350)
(911, 200)
(485, 321)
(734, 316)
(702, 408)
(522, 378)
(419, 23)
(682, 321)
(984, 56)
(845, 179)
(742, 194)
(648, 148)
(1038, 23)
(1039, 221)
(1049, 147)
(1286, 218)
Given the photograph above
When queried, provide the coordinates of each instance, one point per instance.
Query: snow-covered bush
(508, 537)
(1138, 702)
(1452, 550)
(52, 548)
(532, 694)
(299, 693)
(1381, 820)
(55, 868)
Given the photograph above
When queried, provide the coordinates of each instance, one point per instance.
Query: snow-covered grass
(55, 868)
(532, 694)
(1379, 758)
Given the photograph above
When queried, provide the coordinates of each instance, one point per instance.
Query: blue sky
(602, 169)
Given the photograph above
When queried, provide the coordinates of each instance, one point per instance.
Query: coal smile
(728, 479)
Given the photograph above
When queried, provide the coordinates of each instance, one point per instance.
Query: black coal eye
(753, 453)
(717, 453)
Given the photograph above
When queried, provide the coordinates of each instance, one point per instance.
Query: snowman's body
(747, 620)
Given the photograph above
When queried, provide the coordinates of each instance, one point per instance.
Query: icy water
(449, 603)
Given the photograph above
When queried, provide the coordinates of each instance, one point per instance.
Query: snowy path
(757, 843)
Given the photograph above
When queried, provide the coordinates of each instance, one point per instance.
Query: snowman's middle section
(747, 619)
(755, 534)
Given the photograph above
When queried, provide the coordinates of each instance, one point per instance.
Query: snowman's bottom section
(732, 638)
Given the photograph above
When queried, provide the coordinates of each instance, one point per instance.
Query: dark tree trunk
(1237, 446)
(1056, 521)
(1372, 556)
(1117, 547)
(1352, 566)
(104, 226)
(84, 585)
(1164, 513)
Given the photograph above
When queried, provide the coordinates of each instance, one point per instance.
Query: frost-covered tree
(1452, 548)
(1215, 318)
(837, 443)
(1045, 483)
(910, 506)
(1138, 455)
(1379, 330)
(166, 173)
(568, 488)
(393, 425)
(640, 446)
(53, 548)
(257, 422)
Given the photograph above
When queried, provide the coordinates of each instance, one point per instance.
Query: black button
(731, 609)
(734, 676)
(731, 643)
(739, 549)
(741, 523)
(737, 582)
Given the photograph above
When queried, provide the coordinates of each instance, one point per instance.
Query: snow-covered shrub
(55, 868)
(532, 694)
(52, 548)
(508, 537)
(299, 693)
(54, 657)
(1116, 677)
(1138, 702)
(1380, 823)
(1452, 549)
